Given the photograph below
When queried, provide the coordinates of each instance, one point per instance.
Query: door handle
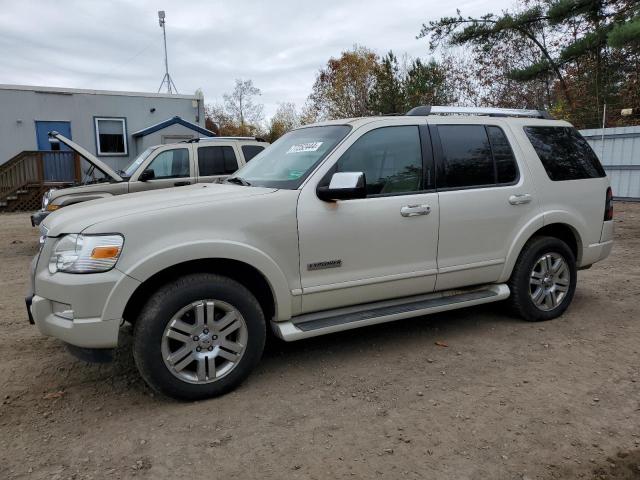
(181, 184)
(415, 210)
(520, 199)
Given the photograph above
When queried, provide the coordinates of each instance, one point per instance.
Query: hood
(78, 217)
(99, 164)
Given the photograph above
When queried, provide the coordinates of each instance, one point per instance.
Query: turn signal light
(51, 208)
(105, 252)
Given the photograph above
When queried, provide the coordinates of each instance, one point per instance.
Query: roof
(71, 91)
(173, 121)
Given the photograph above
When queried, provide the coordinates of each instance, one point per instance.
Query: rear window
(250, 151)
(564, 154)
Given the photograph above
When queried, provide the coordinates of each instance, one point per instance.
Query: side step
(339, 319)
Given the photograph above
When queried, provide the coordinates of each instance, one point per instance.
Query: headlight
(46, 198)
(75, 253)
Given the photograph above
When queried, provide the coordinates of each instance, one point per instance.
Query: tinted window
(171, 164)
(220, 160)
(467, 157)
(564, 153)
(390, 158)
(250, 151)
(506, 168)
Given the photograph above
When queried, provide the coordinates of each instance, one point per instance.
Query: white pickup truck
(337, 225)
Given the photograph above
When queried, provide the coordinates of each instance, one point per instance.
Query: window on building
(564, 153)
(218, 160)
(111, 136)
(250, 151)
(390, 157)
(171, 164)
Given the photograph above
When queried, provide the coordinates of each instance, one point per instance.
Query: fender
(224, 249)
(530, 228)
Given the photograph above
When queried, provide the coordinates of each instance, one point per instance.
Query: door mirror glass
(148, 174)
(344, 186)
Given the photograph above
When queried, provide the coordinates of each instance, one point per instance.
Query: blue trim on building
(173, 121)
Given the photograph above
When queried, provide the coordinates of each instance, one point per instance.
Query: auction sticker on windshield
(304, 147)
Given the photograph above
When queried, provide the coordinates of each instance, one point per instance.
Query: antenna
(171, 87)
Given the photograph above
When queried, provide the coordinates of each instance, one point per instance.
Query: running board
(339, 319)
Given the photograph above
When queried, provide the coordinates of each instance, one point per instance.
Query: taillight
(608, 206)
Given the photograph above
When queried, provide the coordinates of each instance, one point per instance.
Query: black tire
(165, 303)
(520, 300)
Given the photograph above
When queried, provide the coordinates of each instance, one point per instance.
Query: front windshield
(133, 166)
(287, 162)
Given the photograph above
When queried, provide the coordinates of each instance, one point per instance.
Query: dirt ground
(505, 399)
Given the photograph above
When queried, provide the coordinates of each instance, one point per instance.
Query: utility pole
(171, 87)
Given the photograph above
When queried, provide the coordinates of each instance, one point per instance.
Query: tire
(228, 323)
(554, 290)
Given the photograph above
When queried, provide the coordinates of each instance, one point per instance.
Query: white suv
(337, 225)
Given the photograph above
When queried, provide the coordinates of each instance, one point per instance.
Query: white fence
(619, 152)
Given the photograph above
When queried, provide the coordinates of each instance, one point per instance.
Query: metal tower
(171, 87)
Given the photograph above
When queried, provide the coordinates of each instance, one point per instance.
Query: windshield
(133, 166)
(287, 162)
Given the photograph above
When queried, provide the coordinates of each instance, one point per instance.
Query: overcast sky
(279, 44)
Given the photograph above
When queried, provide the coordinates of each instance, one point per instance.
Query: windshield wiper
(238, 181)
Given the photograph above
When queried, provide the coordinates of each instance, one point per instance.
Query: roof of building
(71, 91)
(173, 121)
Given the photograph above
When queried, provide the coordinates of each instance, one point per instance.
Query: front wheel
(199, 336)
(543, 281)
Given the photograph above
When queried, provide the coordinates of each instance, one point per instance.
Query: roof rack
(208, 139)
(425, 110)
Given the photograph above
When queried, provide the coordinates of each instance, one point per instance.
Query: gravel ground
(494, 398)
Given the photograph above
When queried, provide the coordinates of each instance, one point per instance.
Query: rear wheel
(543, 281)
(199, 336)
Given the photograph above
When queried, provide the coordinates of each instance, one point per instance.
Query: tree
(342, 88)
(239, 114)
(387, 93)
(241, 107)
(286, 118)
(571, 47)
(427, 84)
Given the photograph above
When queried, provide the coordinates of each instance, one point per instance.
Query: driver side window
(171, 164)
(390, 157)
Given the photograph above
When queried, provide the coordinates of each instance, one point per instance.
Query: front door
(59, 164)
(379, 247)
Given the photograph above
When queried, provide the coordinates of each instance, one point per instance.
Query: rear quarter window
(250, 151)
(564, 154)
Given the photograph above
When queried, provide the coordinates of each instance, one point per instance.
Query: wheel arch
(564, 231)
(244, 273)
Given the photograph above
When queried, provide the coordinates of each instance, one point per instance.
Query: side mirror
(344, 186)
(148, 174)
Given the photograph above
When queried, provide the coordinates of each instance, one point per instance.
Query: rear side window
(250, 151)
(218, 160)
(475, 156)
(564, 154)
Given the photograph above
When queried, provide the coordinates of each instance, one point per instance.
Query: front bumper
(38, 217)
(81, 332)
(81, 310)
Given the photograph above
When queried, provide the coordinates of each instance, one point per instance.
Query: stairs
(23, 180)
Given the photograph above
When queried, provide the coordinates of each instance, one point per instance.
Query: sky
(279, 44)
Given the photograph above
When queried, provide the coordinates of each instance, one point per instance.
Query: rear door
(216, 162)
(172, 167)
(486, 198)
